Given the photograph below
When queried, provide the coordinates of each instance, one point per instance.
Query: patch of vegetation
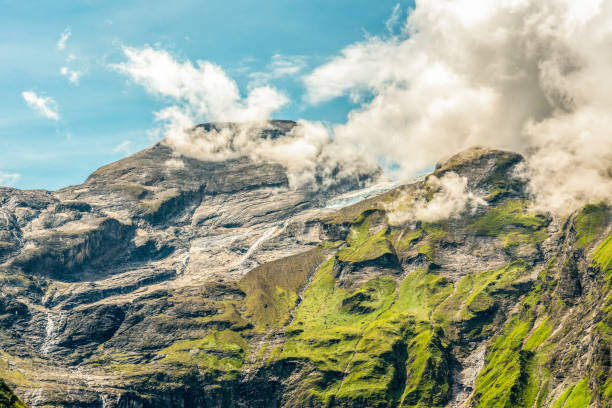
(420, 293)
(376, 345)
(324, 331)
(228, 315)
(400, 358)
(576, 396)
(471, 306)
(516, 238)
(428, 251)
(272, 288)
(435, 231)
(580, 396)
(428, 370)
(407, 238)
(363, 242)
(603, 256)
(10, 372)
(8, 399)
(220, 350)
(496, 194)
(329, 245)
(510, 216)
(538, 335)
(607, 388)
(152, 206)
(133, 190)
(590, 222)
(560, 402)
(500, 382)
(371, 247)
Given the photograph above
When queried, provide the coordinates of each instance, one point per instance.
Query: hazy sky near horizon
(66, 110)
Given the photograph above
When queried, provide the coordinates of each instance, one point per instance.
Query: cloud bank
(43, 105)
(525, 75)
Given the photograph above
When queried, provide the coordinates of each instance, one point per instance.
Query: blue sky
(103, 109)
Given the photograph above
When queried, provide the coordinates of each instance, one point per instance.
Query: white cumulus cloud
(43, 105)
(202, 90)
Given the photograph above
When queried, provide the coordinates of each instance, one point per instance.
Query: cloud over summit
(203, 92)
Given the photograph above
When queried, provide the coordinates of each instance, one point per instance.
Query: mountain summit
(168, 281)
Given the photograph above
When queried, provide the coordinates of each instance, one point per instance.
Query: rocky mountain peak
(160, 171)
(489, 172)
(216, 284)
(477, 158)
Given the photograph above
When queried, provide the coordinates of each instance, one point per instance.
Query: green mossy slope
(390, 342)
(8, 399)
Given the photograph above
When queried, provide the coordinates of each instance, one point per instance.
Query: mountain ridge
(157, 286)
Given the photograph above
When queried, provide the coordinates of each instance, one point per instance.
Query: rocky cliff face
(165, 281)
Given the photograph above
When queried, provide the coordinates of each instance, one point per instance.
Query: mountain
(168, 281)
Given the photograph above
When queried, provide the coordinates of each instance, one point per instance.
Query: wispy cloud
(8, 179)
(279, 66)
(43, 105)
(74, 68)
(394, 19)
(124, 147)
(64, 36)
(282, 65)
(72, 75)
